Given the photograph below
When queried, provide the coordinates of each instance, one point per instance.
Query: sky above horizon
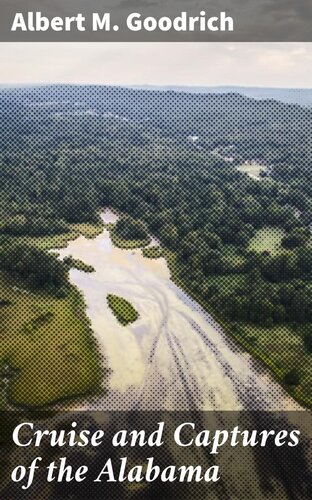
(199, 64)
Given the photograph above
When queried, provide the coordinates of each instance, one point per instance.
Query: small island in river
(122, 309)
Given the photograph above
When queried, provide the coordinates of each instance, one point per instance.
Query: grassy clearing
(267, 239)
(154, 252)
(283, 351)
(49, 343)
(280, 348)
(122, 309)
(126, 244)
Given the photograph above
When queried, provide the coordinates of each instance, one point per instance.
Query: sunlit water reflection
(174, 356)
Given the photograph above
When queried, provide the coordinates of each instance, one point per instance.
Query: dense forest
(169, 161)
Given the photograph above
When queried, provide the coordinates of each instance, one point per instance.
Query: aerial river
(174, 357)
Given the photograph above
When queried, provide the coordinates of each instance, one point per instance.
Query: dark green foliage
(307, 338)
(128, 228)
(21, 226)
(4, 302)
(70, 262)
(292, 378)
(297, 237)
(308, 343)
(34, 268)
(132, 154)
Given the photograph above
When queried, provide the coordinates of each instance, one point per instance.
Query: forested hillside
(169, 160)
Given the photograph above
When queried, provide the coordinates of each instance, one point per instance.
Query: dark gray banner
(155, 20)
(155, 455)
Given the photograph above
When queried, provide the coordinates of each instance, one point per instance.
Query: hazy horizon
(260, 65)
(160, 86)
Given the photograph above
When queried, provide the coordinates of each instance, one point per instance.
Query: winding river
(174, 357)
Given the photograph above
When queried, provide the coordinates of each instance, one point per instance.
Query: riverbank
(127, 244)
(48, 351)
(174, 356)
(272, 353)
(173, 339)
(267, 345)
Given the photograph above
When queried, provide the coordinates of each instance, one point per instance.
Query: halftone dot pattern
(222, 183)
(213, 177)
(249, 470)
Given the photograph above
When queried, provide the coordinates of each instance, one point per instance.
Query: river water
(174, 357)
